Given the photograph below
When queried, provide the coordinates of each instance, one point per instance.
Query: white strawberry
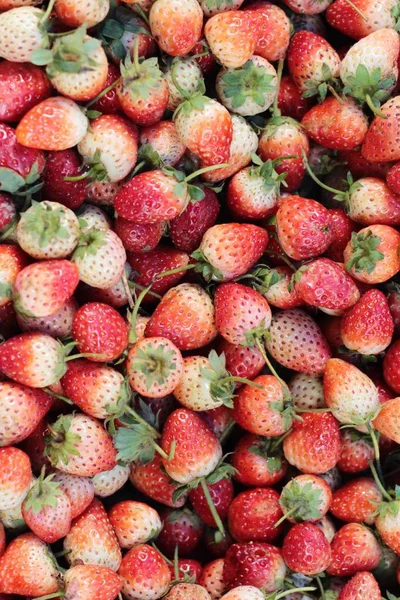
(183, 75)
(22, 30)
(100, 258)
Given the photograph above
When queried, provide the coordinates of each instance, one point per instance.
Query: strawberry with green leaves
(176, 25)
(151, 479)
(23, 30)
(387, 516)
(213, 7)
(306, 550)
(185, 78)
(305, 498)
(241, 361)
(163, 139)
(181, 532)
(372, 255)
(221, 493)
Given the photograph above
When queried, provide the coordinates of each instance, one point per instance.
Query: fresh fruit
(145, 573)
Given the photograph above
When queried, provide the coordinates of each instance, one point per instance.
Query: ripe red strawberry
(145, 573)
(391, 364)
(28, 163)
(274, 34)
(22, 86)
(100, 258)
(79, 490)
(186, 304)
(79, 445)
(187, 19)
(277, 289)
(357, 451)
(305, 348)
(361, 167)
(24, 558)
(12, 262)
(253, 514)
(221, 493)
(356, 501)
(73, 14)
(89, 581)
(380, 142)
(342, 226)
(136, 237)
(372, 256)
(218, 419)
(368, 326)
(60, 165)
(163, 139)
(188, 569)
(313, 446)
(134, 523)
(312, 62)
(188, 228)
(91, 539)
(328, 124)
(56, 123)
(182, 529)
(387, 522)
(388, 420)
(231, 50)
(258, 564)
(241, 361)
(99, 330)
(393, 178)
(362, 586)
(257, 462)
(151, 480)
(325, 284)
(290, 100)
(354, 548)
(197, 449)
(212, 578)
(16, 477)
(306, 550)
(303, 227)
(362, 20)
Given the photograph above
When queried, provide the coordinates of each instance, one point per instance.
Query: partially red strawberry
(372, 256)
(356, 501)
(306, 550)
(186, 591)
(182, 529)
(186, 569)
(16, 477)
(138, 237)
(241, 361)
(257, 462)
(8, 215)
(290, 101)
(212, 578)
(307, 7)
(221, 493)
(88, 581)
(12, 261)
(188, 22)
(22, 86)
(253, 514)
(162, 138)
(307, 391)
(380, 141)
(354, 548)
(305, 498)
(151, 480)
(73, 14)
(258, 564)
(356, 453)
(231, 50)
(275, 284)
(80, 491)
(108, 103)
(362, 586)
(361, 17)
(388, 420)
(134, 522)
(145, 573)
(23, 165)
(188, 228)
(274, 34)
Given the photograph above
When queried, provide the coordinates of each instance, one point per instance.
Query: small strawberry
(361, 17)
(102, 193)
(387, 520)
(16, 477)
(221, 493)
(362, 586)
(72, 13)
(388, 420)
(188, 228)
(253, 514)
(361, 167)
(79, 445)
(8, 215)
(23, 30)
(305, 348)
(342, 226)
(24, 558)
(313, 446)
(305, 498)
(306, 550)
(355, 502)
(145, 573)
(59, 166)
(258, 564)
(136, 237)
(21, 166)
(241, 361)
(290, 100)
(307, 391)
(163, 139)
(372, 256)
(274, 35)
(187, 18)
(12, 263)
(22, 86)
(110, 482)
(274, 284)
(357, 451)
(212, 578)
(354, 548)
(219, 420)
(380, 141)
(186, 569)
(134, 523)
(90, 581)
(181, 529)
(79, 491)
(257, 462)
(151, 480)
(108, 103)
(187, 591)
(56, 123)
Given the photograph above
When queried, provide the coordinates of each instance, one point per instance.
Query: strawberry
(48, 230)
(205, 452)
(328, 124)
(89, 581)
(361, 167)
(362, 586)
(108, 103)
(188, 228)
(60, 165)
(276, 288)
(187, 569)
(34, 446)
(12, 262)
(99, 330)
(136, 237)
(253, 514)
(54, 124)
(79, 491)
(313, 446)
(221, 32)
(221, 493)
(387, 521)
(290, 100)
(47, 510)
(249, 90)
(380, 141)
(243, 592)
(391, 367)
(109, 482)
(270, 400)
(163, 139)
(306, 550)
(109, 148)
(42, 288)
(8, 215)
(357, 451)
(257, 462)
(342, 226)
(91, 539)
(305, 348)
(150, 479)
(72, 14)
(258, 564)
(24, 558)
(325, 284)
(22, 31)
(185, 78)
(387, 422)
(102, 193)
(134, 523)
(22, 409)
(145, 573)
(371, 256)
(368, 327)
(79, 445)
(355, 502)
(312, 63)
(303, 227)
(181, 529)
(93, 216)
(154, 366)
(183, 305)
(22, 86)
(307, 391)
(16, 477)
(274, 35)
(187, 591)
(230, 250)
(307, 7)
(212, 578)
(100, 258)
(187, 19)
(362, 17)
(219, 420)
(241, 361)
(58, 324)
(305, 498)
(354, 548)
(22, 166)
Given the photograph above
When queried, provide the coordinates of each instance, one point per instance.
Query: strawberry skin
(253, 514)
(22, 86)
(380, 143)
(134, 522)
(14, 155)
(16, 477)
(151, 480)
(260, 565)
(92, 582)
(136, 237)
(59, 165)
(354, 548)
(241, 361)
(307, 53)
(363, 586)
(187, 19)
(145, 573)
(342, 16)
(221, 493)
(255, 465)
(274, 35)
(356, 501)
(306, 549)
(388, 420)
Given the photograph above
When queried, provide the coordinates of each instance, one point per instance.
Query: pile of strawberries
(200, 299)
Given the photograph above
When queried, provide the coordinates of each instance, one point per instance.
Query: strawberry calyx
(155, 362)
(262, 278)
(43, 493)
(369, 87)
(112, 30)
(365, 254)
(282, 594)
(249, 82)
(60, 442)
(320, 87)
(266, 170)
(90, 241)
(94, 170)
(13, 183)
(300, 502)
(118, 409)
(271, 451)
(44, 223)
(140, 77)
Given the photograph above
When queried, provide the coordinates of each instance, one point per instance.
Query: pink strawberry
(145, 573)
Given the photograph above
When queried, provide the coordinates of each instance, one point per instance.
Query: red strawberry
(12, 262)
(305, 498)
(187, 569)
(388, 420)
(145, 573)
(163, 139)
(253, 514)
(391, 364)
(307, 7)
(182, 529)
(274, 35)
(108, 103)
(205, 451)
(257, 463)
(290, 101)
(258, 564)
(16, 477)
(134, 523)
(380, 142)
(241, 361)
(313, 446)
(136, 237)
(187, 19)
(183, 305)
(362, 17)
(22, 86)
(60, 165)
(150, 479)
(24, 558)
(278, 290)
(372, 256)
(28, 163)
(304, 349)
(89, 581)
(362, 586)
(306, 550)
(303, 227)
(73, 14)
(8, 215)
(387, 521)
(99, 330)
(231, 50)
(188, 228)
(221, 493)
(357, 451)
(355, 502)
(79, 490)
(354, 548)
(341, 227)
(361, 167)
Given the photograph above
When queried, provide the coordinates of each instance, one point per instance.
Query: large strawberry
(306, 549)
(150, 479)
(259, 564)
(380, 141)
(354, 548)
(22, 85)
(253, 515)
(372, 255)
(145, 573)
(134, 522)
(361, 17)
(23, 30)
(88, 581)
(361, 586)
(274, 34)
(100, 257)
(355, 502)
(187, 19)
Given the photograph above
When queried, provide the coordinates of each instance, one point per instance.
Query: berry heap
(199, 299)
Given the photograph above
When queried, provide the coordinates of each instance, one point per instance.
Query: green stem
(128, 291)
(241, 380)
(139, 10)
(283, 257)
(84, 355)
(358, 11)
(276, 443)
(212, 508)
(334, 93)
(176, 564)
(315, 178)
(205, 170)
(378, 482)
(275, 110)
(321, 587)
(314, 410)
(375, 444)
(47, 15)
(133, 284)
(84, 175)
(176, 270)
(58, 594)
(59, 396)
(374, 109)
(227, 432)
(286, 515)
(103, 93)
(135, 311)
(271, 368)
(145, 424)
